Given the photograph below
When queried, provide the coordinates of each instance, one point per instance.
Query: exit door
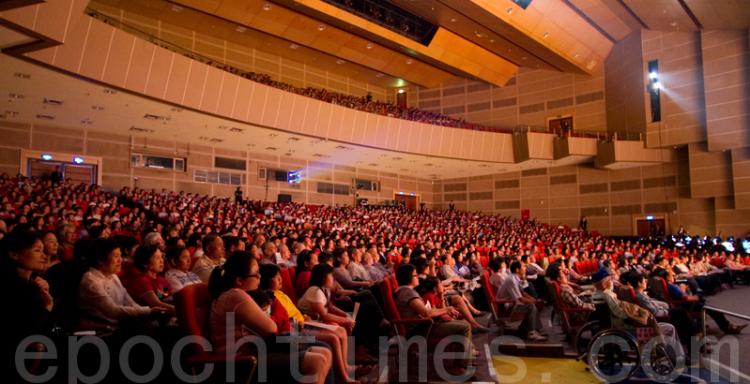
(408, 201)
(77, 173)
(653, 227)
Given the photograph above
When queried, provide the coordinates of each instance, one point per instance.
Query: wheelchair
(615, 355)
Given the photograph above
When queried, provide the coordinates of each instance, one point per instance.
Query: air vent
(211, 139)
(320, 155)
(398, 158)
(429, 165)
(288, 154)
(293, 139)
(50, 101)
(16, 96)
(236, 130)
(344, 148)
(21, 75)
(87, 121)
(97, 107)
(45, 117)
(372, 165)
(143, 130)
(9, 114)
(110, 91)
(156, 117)
(271, 148)
(273, 134)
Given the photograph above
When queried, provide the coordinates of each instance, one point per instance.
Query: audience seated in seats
(380, 236)
(213, 256)
(179, 275)
(696, 302)
(679, 317)
(604, 295)
(568, 294)
(511, 290)
(235, 315)
(316, 301)
(452, 297)
(270, 280)
(103, 300)
(411, 305)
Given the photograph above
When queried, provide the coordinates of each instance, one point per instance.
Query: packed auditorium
(375, 191)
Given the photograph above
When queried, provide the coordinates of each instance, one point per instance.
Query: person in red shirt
(150, 288)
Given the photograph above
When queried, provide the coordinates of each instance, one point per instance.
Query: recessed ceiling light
(321, 27)
(576, 55)
(453, 19)
(509, 11)
(546, 35)
(176, 8)
(293, 46)
(492, 40)
(369, 45)
(267, 6)
(674, 23)
(379, 75)
(523, 57)
(339, 61)
(409, 61)
(240, 29)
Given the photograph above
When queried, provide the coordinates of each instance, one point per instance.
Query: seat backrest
(392, 281)
(287, 284)
(659, 288)
(389, 305)
(193, 307)
(487, 287)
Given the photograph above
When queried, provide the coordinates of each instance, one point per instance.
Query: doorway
(408, 201)
(650, 226)
(77, 173)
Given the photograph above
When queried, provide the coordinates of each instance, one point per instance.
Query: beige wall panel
(563, 213)
(272, 107)
(224, 190)
(119, 166)
(57, 143)
(140, 65)
(476, 186)
(69, 55)
(115, 183)
(228, 100)
(482, 206)
(195, 85)
(199, 188)
(104, 148)
(209, 101)
(176, 87)
(106, 136)
(155, 184)
(95, 51)
(10, 156)
(199, 160)
(255, 193)
(322, 122)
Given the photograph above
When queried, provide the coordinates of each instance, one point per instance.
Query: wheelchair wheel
(613, 355)
(663, 361)
(584, 336)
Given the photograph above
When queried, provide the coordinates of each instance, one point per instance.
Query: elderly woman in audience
(228, 287)
(150, 288)
(102, 299)
(179, 275)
